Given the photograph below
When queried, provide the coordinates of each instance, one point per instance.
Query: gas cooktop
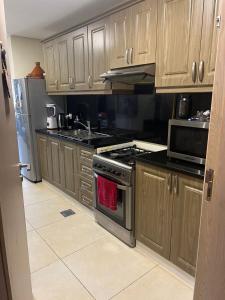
(125, 155)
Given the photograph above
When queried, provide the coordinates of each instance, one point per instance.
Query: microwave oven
(187, 140)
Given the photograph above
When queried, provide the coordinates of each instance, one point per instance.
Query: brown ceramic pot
(37, 72)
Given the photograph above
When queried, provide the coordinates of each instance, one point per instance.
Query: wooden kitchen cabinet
(49, 51)
(119, 39)
(153, 208)
(98, 54)
(44, 157)
(187, 205)
(78, 56)
(69, 168)
(209, 40)
(56, 177)
(133, 35)
(62, 63)
(187, 41)
(168, 210)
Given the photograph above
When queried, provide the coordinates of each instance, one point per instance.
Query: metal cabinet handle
(175, 184)
(169, 183)
(194, 71)
(131, 56)
(90, 81)
(201, 70)
(126, 57)
(71, 82)
(57, 84)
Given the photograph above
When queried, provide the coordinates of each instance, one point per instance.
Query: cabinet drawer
(86, 185)
(86, 199)
(86, 171)
(86, 157)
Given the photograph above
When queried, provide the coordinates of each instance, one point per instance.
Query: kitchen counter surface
(161, 159)
(94, 143)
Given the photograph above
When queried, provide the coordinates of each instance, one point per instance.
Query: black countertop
(94, 143)
(161, 159)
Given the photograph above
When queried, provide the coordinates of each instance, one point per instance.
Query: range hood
(144, 74)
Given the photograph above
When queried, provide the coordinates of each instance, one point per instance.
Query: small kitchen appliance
(187, 140)
(51, 116)
(118, 167)
(62, 122)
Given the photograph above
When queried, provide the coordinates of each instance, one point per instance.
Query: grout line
(149, 271)
(61, 260)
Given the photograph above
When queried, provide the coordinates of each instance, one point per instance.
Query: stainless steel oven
(187, 140)
(119, 222)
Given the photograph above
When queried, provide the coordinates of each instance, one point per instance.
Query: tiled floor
(74, 258)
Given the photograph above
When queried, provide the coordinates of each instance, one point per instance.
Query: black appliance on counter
(187, 140)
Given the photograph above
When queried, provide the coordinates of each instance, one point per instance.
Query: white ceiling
(43, 18)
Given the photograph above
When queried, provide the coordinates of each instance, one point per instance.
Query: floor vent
(67, 213)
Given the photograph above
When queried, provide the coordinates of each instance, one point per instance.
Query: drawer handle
(169, 183)
(86, 170)
(175, 185)
(201, 70)
(194, 71)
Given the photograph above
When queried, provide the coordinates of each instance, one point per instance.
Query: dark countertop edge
(105, 142)
(143, 159)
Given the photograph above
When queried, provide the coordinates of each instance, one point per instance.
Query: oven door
(124, 213)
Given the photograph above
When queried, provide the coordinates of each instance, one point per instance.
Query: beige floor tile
(48, 212)
(107, 266)
(29, 227)
(37, 196)
(72, 234)
(40, 255)
(156, 285)
(56, 282)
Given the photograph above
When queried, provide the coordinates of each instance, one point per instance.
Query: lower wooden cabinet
(187, 205)
(153, 209)
(67, 166)
(44, 157)
(168, 210)
(56, 177)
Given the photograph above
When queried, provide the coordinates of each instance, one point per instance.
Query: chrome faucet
(87, 127)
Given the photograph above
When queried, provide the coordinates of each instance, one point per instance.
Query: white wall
(24, 53)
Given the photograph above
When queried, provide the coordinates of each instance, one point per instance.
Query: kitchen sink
(81, 135)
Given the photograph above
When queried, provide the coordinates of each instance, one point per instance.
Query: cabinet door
(179, 39)
(55, 155)
(62, 56)
(69, 167)
(209, 41)
(144, 24)
(186, 221)
(78, 54)
(119, 39)
(49, 51)
(44, 157)
(98, 54)
(154, 209)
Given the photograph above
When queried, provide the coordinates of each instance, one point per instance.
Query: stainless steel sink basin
(81, 135)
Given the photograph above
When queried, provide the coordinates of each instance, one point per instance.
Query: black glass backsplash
(142, 117)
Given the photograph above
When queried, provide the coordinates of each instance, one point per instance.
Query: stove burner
(125, 155)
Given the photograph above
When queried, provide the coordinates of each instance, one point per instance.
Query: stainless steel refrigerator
(30, 98)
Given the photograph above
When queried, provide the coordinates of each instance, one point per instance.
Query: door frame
(210, 275)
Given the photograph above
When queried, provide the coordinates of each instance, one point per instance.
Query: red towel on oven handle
(107, 193)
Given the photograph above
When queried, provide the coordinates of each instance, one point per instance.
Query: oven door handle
(119, 186)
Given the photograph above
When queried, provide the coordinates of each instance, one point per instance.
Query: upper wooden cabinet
(62, 63)
(187, 41)
(78, 54)
(50, 66)
(98, 54)
(209, 40)
(133, 35)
